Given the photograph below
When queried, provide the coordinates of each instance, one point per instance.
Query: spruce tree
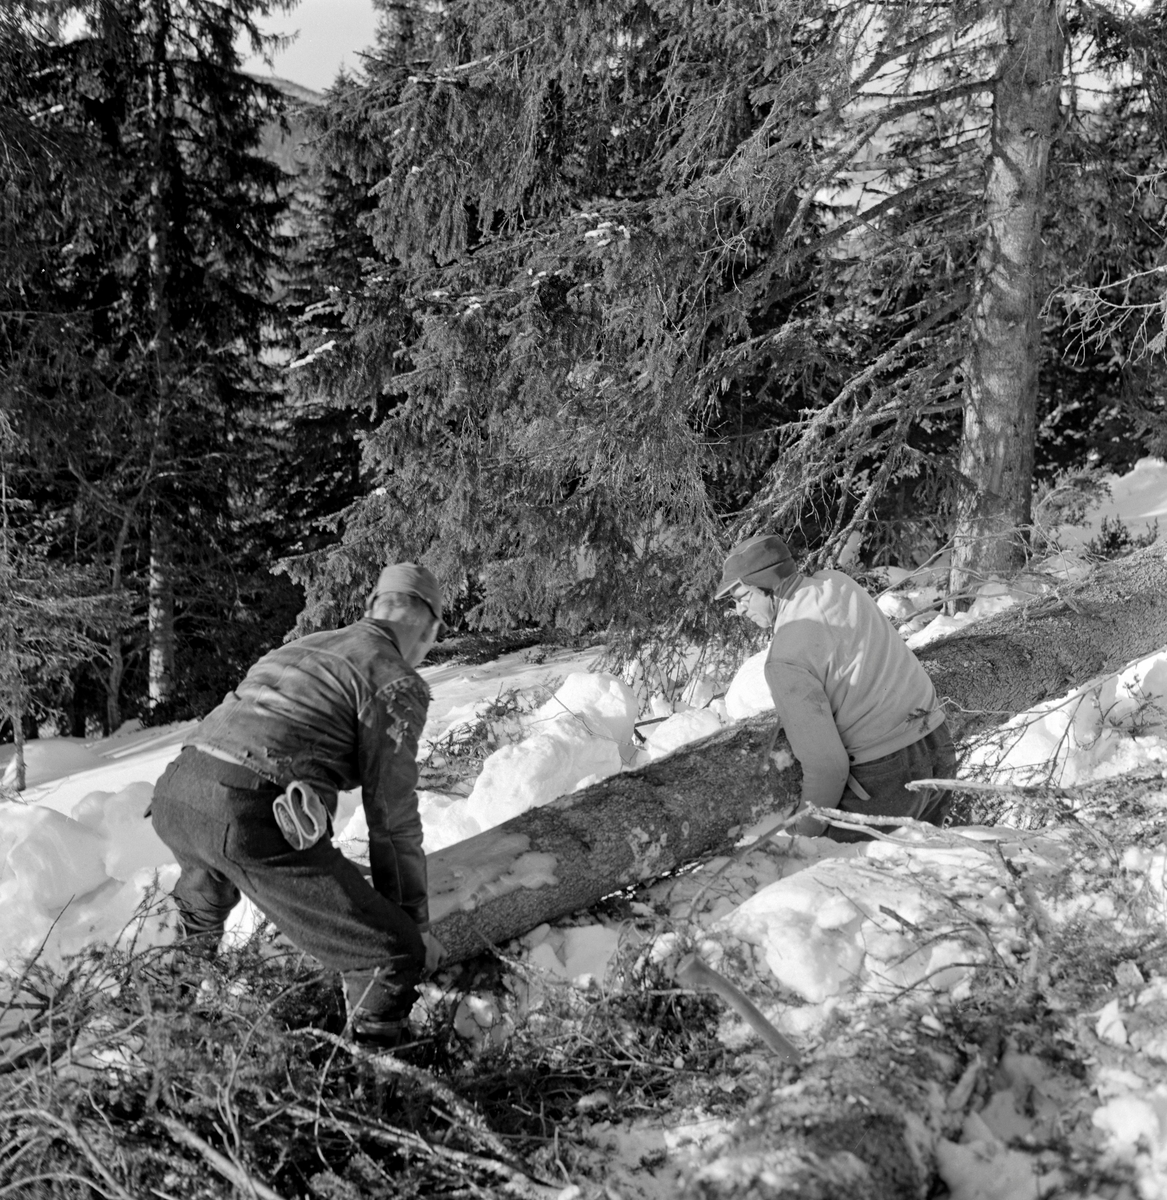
(680, 273)
(150, 454)
(53, 616)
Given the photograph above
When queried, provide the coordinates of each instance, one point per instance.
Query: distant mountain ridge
(284, 145)
(291, 89)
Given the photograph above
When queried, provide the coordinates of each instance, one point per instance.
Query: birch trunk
(20, 767)
(1004, 356)
(160, 614)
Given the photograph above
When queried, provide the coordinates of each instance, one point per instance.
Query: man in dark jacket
(247, 805)
(859, 710)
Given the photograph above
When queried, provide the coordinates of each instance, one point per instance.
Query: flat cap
(762, 561)
(410, 580)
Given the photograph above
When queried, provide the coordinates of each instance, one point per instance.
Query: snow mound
(749, 693)
(51, 858)
(601, 704)
(852, 924)
(1103, 728)
(57, 891)
(535, 771)
(577, 735)
(131, 843)
(679, 730)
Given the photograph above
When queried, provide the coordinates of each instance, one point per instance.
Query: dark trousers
(217, 818)
(932, 757)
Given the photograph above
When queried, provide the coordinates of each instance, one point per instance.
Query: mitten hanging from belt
(301, 815)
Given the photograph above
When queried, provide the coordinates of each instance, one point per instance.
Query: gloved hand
(434, 952)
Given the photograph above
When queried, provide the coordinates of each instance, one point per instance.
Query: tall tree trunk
(17, 708)
(12, 676)
(117, 661)
(113, 684)
(161, 612)
(160, 619)
(1001, 369)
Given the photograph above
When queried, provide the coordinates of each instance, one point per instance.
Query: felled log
(861, 1120)
(1009, 662)
(636, 826)
(570, 853)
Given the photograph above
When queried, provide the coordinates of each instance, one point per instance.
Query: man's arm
(805, 712)
(390, 725)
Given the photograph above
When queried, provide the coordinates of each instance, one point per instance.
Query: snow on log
(631, 827)
(635, 826)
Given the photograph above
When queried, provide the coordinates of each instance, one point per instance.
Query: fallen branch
(388, 1064)
(980, 785)
(695, 974)
(230, 1171)
(75, 1136)
(358, 1127)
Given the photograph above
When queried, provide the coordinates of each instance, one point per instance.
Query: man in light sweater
(859, 710)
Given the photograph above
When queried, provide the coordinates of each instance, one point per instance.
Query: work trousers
(217, 819)
(885, 780)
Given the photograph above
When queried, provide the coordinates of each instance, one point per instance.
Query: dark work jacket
(339, 709)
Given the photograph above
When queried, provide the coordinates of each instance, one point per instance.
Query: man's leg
(940, 761)
(204, 899)
(192, 829)
(324, 904)
(317, 898)
(886, 779)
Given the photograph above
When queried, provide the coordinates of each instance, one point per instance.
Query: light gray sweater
(845, 686)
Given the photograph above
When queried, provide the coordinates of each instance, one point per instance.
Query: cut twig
(695, 974)
(388, 1064)
(75, 1136)
(358, 1127)
(219, 1162)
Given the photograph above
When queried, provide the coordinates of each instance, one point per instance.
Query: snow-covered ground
(822, 926)
(1138, 499)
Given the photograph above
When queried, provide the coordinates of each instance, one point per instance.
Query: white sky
(331, 32)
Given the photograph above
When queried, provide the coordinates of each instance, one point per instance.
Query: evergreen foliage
(350, 337)
(143, 231)
(53, 616)
(651, 276)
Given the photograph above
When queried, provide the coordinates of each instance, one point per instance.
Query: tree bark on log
(861, 1121)
(628, 828)
(1009, 662)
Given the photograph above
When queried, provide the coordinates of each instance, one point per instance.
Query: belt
(222, 755)
(245, 774)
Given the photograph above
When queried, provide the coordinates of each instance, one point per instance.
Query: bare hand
(434, 952)
(808, 826)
